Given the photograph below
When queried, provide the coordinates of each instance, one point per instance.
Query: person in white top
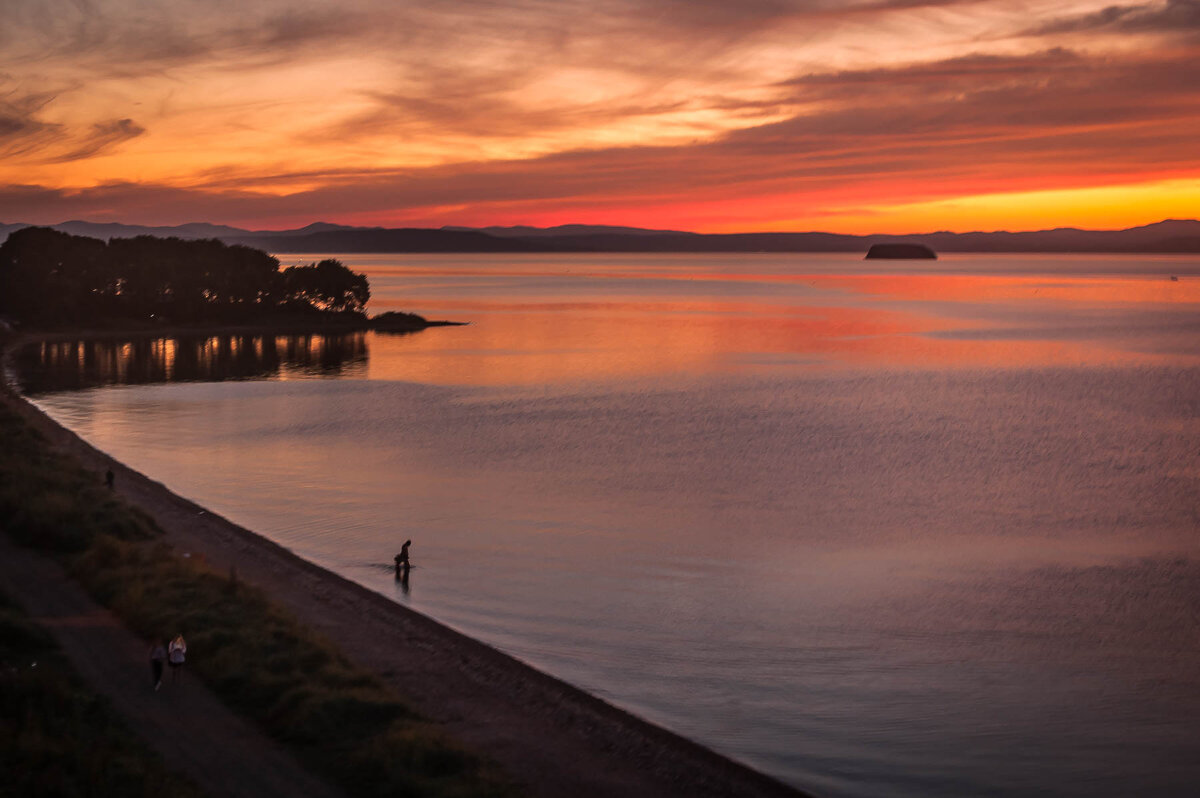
(176, 654)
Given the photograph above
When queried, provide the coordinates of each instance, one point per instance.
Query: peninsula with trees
(54, 280)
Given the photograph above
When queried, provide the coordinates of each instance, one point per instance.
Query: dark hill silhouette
(524, 231)
(385, 240)
(1156, 237)
(193, 230)
(1171, 235)
(109, 230)
(697, 242)
(308, 229)
(1180, 244)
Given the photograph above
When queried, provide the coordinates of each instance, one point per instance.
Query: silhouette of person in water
(109, 478)
(402, 565)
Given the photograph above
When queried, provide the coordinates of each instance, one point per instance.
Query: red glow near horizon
(1006, 115)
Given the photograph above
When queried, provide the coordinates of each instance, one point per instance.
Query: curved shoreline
(551, 738)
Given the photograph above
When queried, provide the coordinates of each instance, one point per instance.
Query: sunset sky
(707, 115)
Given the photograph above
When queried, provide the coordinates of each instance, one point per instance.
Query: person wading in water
(402, 565)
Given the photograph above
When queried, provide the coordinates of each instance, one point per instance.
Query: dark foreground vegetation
(342, 721)
(52, 279)
(59, 738)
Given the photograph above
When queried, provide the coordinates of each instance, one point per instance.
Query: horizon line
(613, 227)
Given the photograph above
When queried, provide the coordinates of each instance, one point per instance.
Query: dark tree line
(48, 278)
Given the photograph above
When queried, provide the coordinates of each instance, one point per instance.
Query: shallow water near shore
(883, 529)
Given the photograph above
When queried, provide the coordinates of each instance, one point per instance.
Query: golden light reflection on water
(508, 345)
(62, 365)
(983, 539)
(508, 351)
(1103, 291)
(530, 324)
(800, 321)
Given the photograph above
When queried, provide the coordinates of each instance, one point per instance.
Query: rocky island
(900, 252)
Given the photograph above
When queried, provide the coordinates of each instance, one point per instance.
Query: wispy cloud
(231, 110)
(24, 133)
(102, 137)
(116, 35)
(1173, 16)
(21, 131)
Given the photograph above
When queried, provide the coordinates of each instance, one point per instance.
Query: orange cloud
(765, 116)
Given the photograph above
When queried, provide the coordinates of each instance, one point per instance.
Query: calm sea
(879, 529)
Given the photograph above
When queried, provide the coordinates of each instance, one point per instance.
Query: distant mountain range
(1172, 235)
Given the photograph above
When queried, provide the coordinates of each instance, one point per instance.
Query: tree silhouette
(50, 278)
(327, 285)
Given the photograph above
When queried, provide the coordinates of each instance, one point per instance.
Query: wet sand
(550, 738)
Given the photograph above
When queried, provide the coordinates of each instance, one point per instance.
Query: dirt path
(183, 721)
(551, 738)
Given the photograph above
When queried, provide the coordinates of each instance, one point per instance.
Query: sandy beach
(550, 738)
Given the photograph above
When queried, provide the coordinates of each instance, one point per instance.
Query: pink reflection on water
(690, 322)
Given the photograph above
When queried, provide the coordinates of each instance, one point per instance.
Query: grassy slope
(58, 738)
(262, 662)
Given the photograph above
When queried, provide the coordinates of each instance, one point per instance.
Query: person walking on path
(110, 478)
(176, 654)
(158, 656)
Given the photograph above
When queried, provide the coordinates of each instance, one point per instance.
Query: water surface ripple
(879, 530)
